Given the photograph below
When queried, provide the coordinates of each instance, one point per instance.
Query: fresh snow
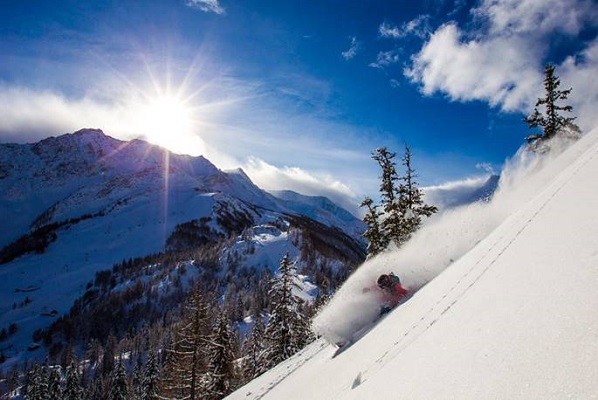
(505, 303)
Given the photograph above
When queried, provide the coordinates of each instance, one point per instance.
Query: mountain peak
(89, 131)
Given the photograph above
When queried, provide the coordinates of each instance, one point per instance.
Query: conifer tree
(253, 350)
(287, 331)
(97, 389)
(137, 379)
(118, 383)
(221, 374)
(551, 121)
(53, 379)
(186, 363)
(391, 224)
(389, 175)
(72, 389)
(411, 204)
(376, 240)
(36, 387)
(402, 202)
(149, 385)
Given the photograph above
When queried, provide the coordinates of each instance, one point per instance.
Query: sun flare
(168, 121)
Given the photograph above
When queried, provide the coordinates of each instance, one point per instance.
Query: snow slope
(507, 306)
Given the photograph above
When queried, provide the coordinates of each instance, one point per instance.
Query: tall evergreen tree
(72, 388)
(288, 330)
(36, 387)
(118, 383)
(221, 375)
(391, 224)
(54, 389)
(149, 385)
(389, 175)
(136, 384)
(411, 204)
(402, 202)
(551, 121)
(97, 389)
(187, 360)
(374, 235)
(253, 350)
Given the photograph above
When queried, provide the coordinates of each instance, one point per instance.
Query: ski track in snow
(290, 366)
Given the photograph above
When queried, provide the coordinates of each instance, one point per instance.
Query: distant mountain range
(76, 204)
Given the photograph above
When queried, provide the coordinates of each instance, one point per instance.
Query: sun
(169, 121)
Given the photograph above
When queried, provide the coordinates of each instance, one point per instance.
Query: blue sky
(298, 93)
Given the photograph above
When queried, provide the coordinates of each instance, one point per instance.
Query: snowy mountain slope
(513, 316)
(92, 201)
(90, 173)
(85, 173)
(321, 209)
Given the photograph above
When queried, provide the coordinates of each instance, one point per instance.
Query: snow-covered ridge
(77, 174)
(320, 209)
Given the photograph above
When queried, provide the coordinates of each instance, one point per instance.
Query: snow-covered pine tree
(389, 175)
(253, 349)
(186, 360)
(376, 240)
(118, 383)
(221, 375)
(53, 378)
(72, 387)
(392, 223)
(402, 204)
(149, 385)
(551, 122)
(98, 388)
(137, 379)
(288, 330)
(36, 387)
(411, 203)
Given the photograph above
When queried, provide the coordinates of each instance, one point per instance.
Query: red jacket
(393, 295)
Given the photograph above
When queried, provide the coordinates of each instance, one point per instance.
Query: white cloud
(487, 167)
(417, 27)
(385, 58)
(352, 52)
(502, 71)
(535, 17)
(389, 31)
(501, 63)
(270, 177)
(31, 115)
(394, 83)
(580, 73)
(207, 6)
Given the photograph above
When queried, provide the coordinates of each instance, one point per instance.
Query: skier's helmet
(384, 281)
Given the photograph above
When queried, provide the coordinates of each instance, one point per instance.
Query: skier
(392, 291)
